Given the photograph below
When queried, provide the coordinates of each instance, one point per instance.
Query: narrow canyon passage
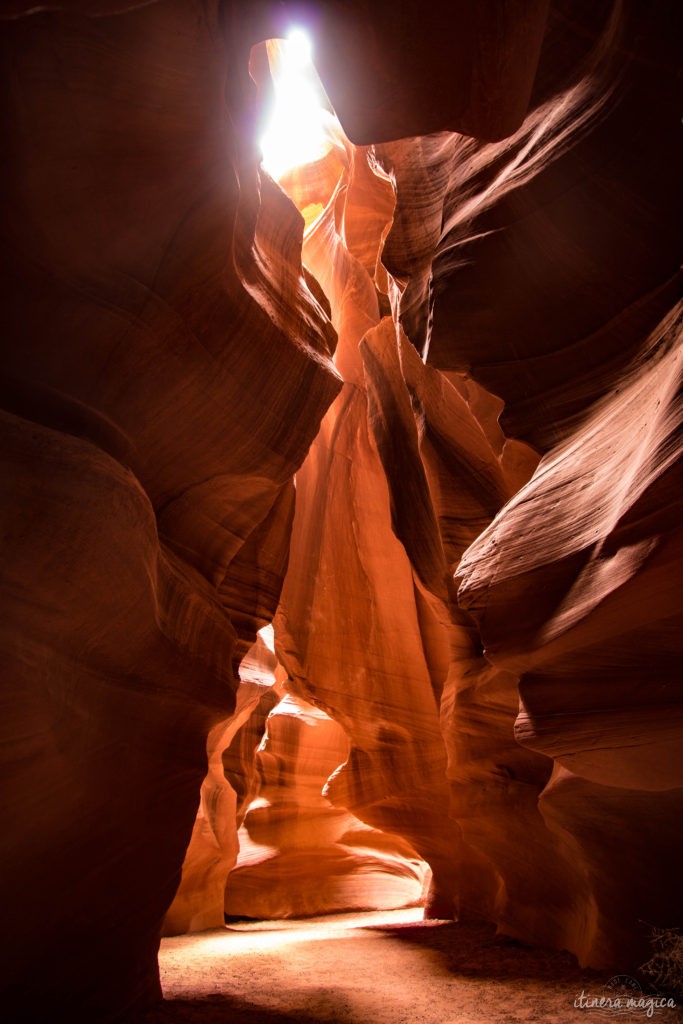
(375, 968)
(341, 517)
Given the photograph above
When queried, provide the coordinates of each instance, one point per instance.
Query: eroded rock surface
(148, 488)
(227, 792)
(544, 269)
(299, 855)
(496, 638)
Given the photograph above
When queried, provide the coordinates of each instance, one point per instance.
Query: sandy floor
(382, 968)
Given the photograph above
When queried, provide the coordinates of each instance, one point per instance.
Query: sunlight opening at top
(296, 130)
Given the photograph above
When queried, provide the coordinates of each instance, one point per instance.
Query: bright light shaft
(295, 133)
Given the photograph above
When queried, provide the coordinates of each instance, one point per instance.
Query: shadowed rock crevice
(416, 405)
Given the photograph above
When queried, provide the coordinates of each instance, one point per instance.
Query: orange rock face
(299, 855)
(148, 488)
(226, 794)
(435, 439)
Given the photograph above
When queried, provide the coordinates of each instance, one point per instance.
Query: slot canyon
(341, 503)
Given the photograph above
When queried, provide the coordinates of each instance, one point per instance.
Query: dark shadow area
(215, 1010)
(475, 951)
(402, 972)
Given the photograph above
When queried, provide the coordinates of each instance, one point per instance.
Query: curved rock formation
(150, 279)
(540, 264)
(300, 856)
(497, 268)
(226, 794)
(497, 637)
(597, 586)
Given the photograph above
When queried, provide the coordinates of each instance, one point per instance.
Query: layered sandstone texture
(299, 855)
(165, 370)
(228, 790)
(469, 360)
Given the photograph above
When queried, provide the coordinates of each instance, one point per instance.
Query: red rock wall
(496, 640)
(545, 268)
(299, 855)
(227, 792)
(553, 279)
(148, 497)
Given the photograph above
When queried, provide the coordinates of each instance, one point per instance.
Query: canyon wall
(165, 371)
(470, 360)
(301, 856)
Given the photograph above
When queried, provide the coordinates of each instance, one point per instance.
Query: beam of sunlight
(244, 937)
(296, 131)
(267, 634)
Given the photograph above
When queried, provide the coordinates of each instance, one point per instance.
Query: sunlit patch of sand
(385, 967)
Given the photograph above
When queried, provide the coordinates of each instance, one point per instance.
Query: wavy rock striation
(538, 278)
(475, 376)
(150, 281)
(299, 855)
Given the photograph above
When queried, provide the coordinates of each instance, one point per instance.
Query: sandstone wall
(498, 637)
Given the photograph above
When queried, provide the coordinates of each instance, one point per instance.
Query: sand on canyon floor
(376, 968)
